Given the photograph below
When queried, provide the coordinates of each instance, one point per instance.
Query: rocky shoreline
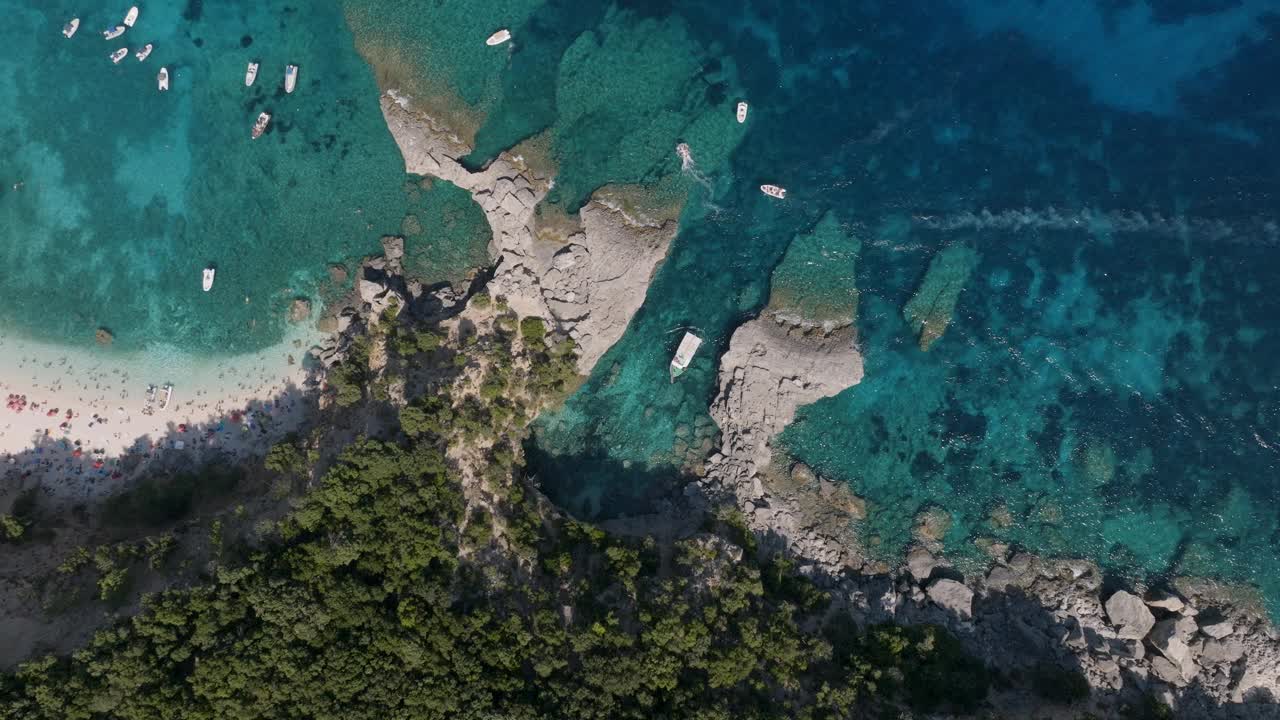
(1189, 646)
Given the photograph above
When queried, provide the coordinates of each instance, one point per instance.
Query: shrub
(532, 329)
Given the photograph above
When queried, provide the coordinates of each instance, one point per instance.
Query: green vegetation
(385, 594)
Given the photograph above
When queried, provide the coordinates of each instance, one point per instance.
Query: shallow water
(127, 193)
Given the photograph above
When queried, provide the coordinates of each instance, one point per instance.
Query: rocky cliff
(1191, 645)
(590, 278)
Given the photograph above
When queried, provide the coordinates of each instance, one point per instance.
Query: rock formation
(929, 310)
(590, 282)
(765, 375)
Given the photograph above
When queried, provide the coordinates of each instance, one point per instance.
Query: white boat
(131, 17)
(163, 79)
(742, 111)
(71, 27)
(774, 191)
(499, 37)
(118, 55)
(250, 74)
(144, 53)
(260, 126)
(113, 33)
(151, 394)
(290, 78)
(168, 395)
(689, 345)
(207, 283)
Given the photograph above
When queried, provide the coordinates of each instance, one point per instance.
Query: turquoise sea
(124, 194)
(1105, 387)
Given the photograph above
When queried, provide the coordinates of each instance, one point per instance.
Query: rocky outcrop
(1129, 615)
(590, 282)
(765, 375)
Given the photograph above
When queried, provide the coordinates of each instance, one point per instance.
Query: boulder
(920, 563)
(1165, 601)
(393, 247)
(1167, 671)
(1129, 615)
(299, 310)
(1171, 640)
(104, 336)
(953, 596)
(338, 274)
(1001, 578)
(1221, 651)
(802, 474)
(370, 290)
(1217, 630)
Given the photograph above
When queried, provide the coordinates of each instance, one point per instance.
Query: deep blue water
(1106, 378)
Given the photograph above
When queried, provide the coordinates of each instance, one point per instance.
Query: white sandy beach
(77, 420)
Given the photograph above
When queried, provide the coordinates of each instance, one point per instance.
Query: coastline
(108, 434)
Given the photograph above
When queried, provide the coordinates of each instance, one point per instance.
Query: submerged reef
(814, 287)
(929, 310)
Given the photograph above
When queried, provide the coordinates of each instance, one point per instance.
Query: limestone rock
(920, 562)
(1001, 578)
(1217, 630)
(104, 336)
(1164, 601)
(393, 247)
(765, 375)
(338, 274)
(802, 474)
(299, 310)
(1129, 615)
(953, 596)
(1221, 651)
(1170, 640)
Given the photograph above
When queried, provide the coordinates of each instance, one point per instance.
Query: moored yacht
(742, 111)
(207, 280)
(163, 79)
(260, 126)
(290, 78)
(118, 55)
(689, 345)
(499, 37)
(144, 53)
(71, 27)
(774, 191)
(250, 74)
(131, 17)
(113, 33)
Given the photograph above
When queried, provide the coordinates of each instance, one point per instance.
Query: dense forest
(390, 591)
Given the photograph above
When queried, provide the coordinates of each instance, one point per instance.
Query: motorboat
(742, 111)
(168, 396)
(131, 17)
(499, 37)
(689, 345)
(290, 78)
(163, 79)
(113, 33)
(774, 191)
(151, 394)
(250, 74)
(144, 53)
(260, 126)
(71, 27)
(207, 283)
(118, 55)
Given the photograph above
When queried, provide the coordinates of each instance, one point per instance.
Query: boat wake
(1099, 222)
(690, 168)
